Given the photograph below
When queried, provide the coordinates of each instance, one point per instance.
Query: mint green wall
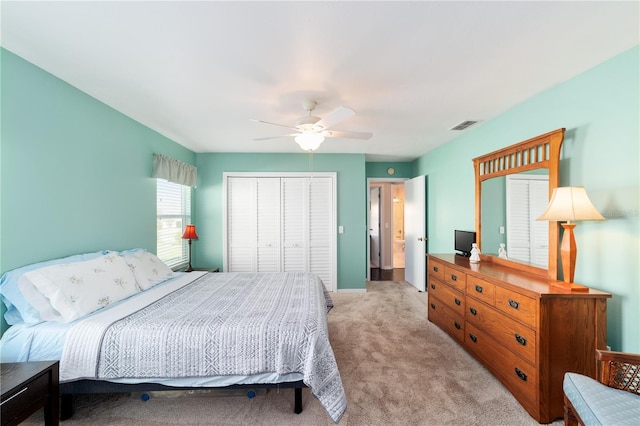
(600, 110)
(75, 173)
(494, 214)
(350, 168)
(379, 169)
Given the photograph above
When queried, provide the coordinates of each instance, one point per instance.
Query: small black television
(462, 242)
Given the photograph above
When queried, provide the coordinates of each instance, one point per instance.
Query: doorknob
(422, 239)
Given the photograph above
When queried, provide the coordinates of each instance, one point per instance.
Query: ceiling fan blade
(274, 124)
(347, 134)
(336, 116)
(276, 137)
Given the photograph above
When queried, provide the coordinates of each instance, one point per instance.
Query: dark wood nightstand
(26, 387)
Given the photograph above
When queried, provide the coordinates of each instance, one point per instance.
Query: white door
(241, 225)
(294, 228)
(374, 227)
(267, 255)
(415, 232)
(321, 230)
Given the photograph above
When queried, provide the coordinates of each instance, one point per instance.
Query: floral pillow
(148, 269)
(19, 310)
(77, 289)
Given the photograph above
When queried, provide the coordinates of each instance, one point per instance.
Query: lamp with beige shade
(569, 204)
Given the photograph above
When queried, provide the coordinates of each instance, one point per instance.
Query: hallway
(396, 274)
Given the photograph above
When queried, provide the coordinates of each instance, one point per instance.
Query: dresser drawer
(520, 339)
(481, 290)
(455, 278)
(516, 374)
(450, 296)
(436, 269)
(446, 318)
(517, 306)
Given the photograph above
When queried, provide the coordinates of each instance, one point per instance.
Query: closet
(281, 223)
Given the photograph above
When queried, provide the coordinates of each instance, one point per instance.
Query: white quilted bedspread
(221, 324)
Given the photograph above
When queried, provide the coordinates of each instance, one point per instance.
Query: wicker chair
(613, 399)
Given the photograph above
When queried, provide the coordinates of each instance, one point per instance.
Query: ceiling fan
(311, 130)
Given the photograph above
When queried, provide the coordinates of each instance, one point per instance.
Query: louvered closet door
(294, 212)
(241, 224)
(321, 229)
(527, 238)
(307, 224)
(268, 224)
(254, 224)
(539, 198)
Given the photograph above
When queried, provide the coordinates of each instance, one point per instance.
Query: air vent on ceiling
(463, 125)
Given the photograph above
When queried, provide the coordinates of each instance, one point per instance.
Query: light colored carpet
(397, 369)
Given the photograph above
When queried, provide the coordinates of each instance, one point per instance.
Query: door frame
(370, 181)
(372, 226)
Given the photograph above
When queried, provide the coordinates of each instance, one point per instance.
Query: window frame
(173, 203)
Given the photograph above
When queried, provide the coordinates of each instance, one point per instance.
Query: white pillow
(148, 269)
(38, 301)
(77, 289)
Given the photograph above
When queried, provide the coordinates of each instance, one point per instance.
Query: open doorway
(386, 230)
(374, 226)
(398, 225)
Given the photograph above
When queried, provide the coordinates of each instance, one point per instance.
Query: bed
(156, 329)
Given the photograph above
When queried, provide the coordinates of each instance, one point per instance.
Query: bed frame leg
(66, 406)
(297, 400)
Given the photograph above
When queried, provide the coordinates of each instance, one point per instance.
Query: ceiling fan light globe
(309, 141)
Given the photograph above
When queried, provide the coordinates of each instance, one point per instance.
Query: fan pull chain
(311, 161)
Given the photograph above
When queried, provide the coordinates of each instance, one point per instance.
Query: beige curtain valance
(174, 170)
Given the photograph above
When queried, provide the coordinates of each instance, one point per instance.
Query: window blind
(174, 213)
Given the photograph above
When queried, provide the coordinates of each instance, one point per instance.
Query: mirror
(514, 167)
(510, 206)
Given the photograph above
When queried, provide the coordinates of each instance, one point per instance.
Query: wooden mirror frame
(536, 153)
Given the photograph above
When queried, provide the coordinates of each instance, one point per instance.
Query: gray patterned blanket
(230, 324)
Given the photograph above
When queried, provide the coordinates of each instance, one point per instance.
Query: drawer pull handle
(473, 338)
(433, 286)
(435, 269)
(473, 311)
(478, 288)
(514, 304)
(433, 306)
(454, 278)
(521, 339)
(521, 375)
(457, 301)
(14, 395)
(456, 325)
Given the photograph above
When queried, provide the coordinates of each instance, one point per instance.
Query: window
(174, 213)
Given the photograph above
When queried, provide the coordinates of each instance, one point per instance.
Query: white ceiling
(198, 72)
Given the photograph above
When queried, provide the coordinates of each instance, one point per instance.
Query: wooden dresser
(527, 332)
